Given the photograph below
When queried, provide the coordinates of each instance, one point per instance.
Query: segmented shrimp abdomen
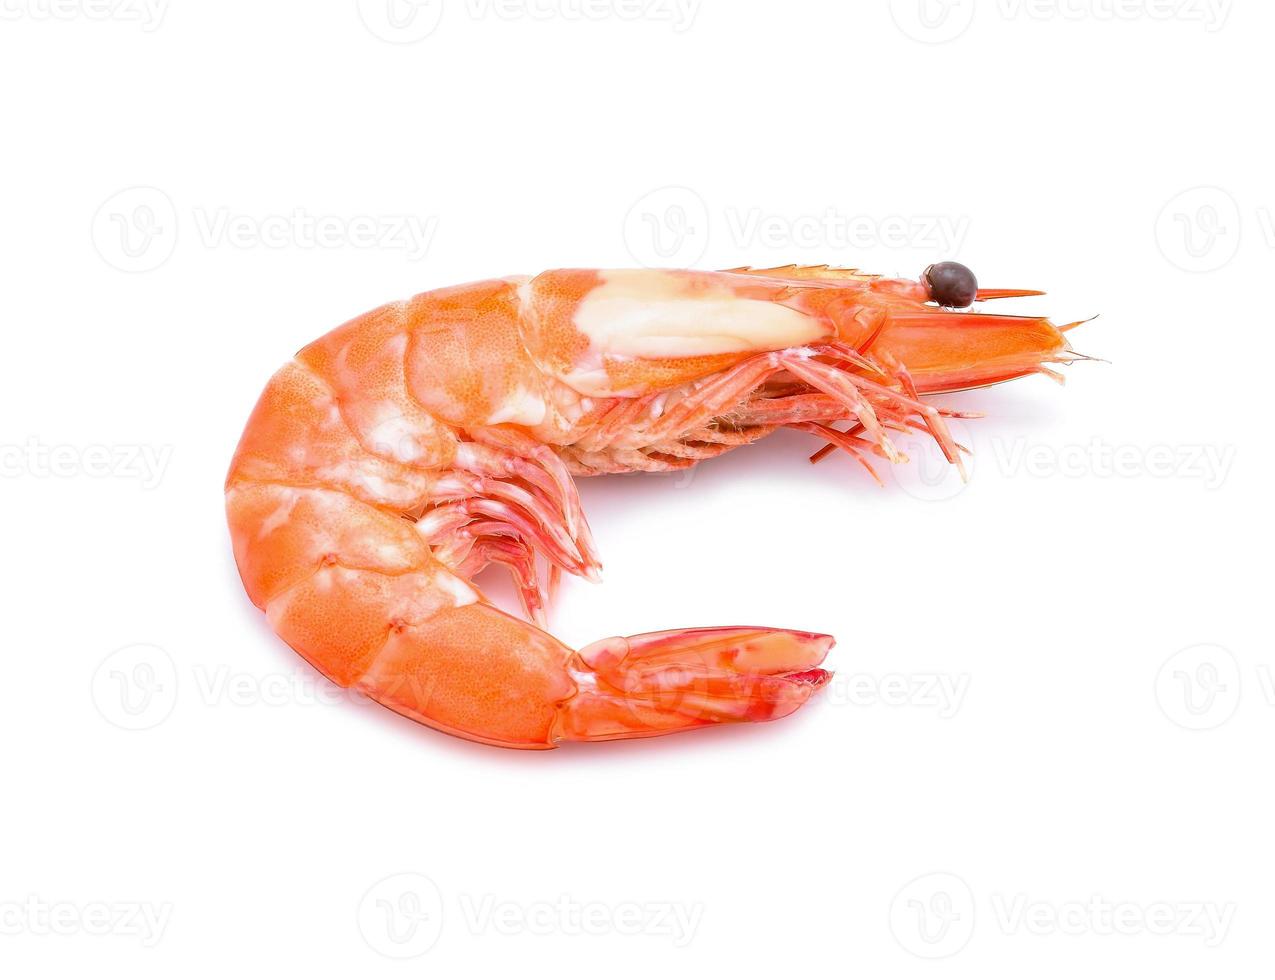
(477, 672)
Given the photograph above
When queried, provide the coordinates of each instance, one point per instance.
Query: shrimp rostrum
(400, 454)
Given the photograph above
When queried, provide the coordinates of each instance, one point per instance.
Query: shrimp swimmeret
(398, 455)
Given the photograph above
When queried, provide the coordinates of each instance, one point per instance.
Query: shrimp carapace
(400, 454)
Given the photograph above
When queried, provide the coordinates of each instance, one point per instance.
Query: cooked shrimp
(401, 453)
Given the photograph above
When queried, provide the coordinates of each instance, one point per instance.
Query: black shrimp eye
(951, 284)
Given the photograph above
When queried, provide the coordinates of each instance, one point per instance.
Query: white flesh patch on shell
(460, 591)
(654, 314)
(521, 407)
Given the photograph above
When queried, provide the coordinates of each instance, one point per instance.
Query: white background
(1011, 723)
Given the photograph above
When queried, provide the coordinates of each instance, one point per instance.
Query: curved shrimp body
(395, 457)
